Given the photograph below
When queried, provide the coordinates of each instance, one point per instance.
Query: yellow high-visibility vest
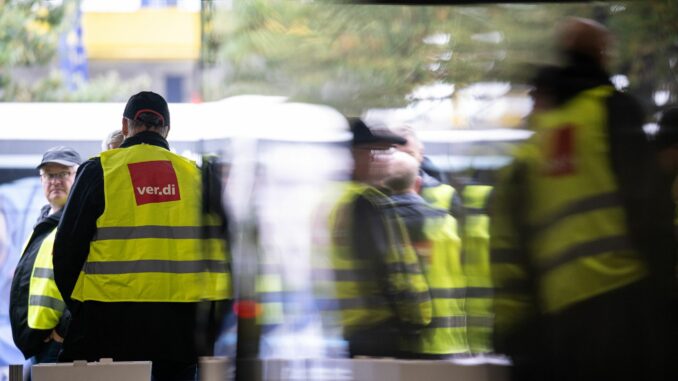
(579, 240)
(477, 267)
(45, 304)
(357, 297)
(440, 256)
(152, 242)
(439, 196)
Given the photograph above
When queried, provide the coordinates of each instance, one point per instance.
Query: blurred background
(263, 84)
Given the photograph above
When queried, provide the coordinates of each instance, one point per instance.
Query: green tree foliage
(358, 56)
(29, 37)
(355, 57)
(647, 35)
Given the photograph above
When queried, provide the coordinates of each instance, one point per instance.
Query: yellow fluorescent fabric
(579, 242)
(45, 304)
(152, 244)
(357, 298)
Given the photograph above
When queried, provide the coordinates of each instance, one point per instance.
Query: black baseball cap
(61, 155)
(147, 101)
(365, 135)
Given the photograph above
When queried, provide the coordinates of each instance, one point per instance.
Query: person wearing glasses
(38, 314)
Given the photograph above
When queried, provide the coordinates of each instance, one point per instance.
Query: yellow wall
(153, 34)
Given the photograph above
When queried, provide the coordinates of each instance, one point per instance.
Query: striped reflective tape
(43, 272)
(584, 250)
(151, 231)
(448, 322)
(47, 301)
(155, 266)
(600, 201)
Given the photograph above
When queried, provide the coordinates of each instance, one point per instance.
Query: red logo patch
(154, 181)
(561, 146)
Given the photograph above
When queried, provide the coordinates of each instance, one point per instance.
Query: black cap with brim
(60, 155)
(365, 135)
(147, 102)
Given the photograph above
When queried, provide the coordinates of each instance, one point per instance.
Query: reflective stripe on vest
(270, 293)
(578, 243)
(45, 305)
(477, 267)
(152, 244)
(439, 196)
(440, 255)
(358, 299)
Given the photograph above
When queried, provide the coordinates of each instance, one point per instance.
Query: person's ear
(125, 127)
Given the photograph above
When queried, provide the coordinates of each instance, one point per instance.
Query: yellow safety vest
(440, 256)
(356, 295)
(578, 237)
(270, 293)
(477, 267)
(45, 304)
(152, 243)
(439, 196)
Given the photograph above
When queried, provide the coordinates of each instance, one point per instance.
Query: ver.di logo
(154, 181)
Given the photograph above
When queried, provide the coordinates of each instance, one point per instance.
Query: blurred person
(134, 254)
(433, 234)
(474, 229)
(432, 189)
(113, 140)
(476, 265)
(38, 314)
(582, 240)
(666, 142)
(544, 85)
(377, 289)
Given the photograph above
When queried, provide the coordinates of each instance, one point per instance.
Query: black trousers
(624, 334)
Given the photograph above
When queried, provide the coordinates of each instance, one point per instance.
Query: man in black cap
(378, 293)
(37, 311)
(134, 255)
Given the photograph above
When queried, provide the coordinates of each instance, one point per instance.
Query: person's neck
(53, 209)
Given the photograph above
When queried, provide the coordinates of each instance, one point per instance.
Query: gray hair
(113, 140)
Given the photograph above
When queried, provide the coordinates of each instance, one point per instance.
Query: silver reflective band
(601, 201)
(479, 292)
(475, 211)
(351, 303)
(481, 321)
(153, 231)
(155, 266)
(448, 322)
(586, 249)
(42, 272)
(403, 268)
(461, 293)
(347, 275)
(448, 293)
(46, 301)
(417, 297)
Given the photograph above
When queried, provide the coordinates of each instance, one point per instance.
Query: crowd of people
(566, 264)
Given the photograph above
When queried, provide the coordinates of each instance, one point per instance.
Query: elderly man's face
(372, 160)
(56, 180)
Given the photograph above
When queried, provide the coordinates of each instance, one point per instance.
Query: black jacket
(32, 341)
(161, 332)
